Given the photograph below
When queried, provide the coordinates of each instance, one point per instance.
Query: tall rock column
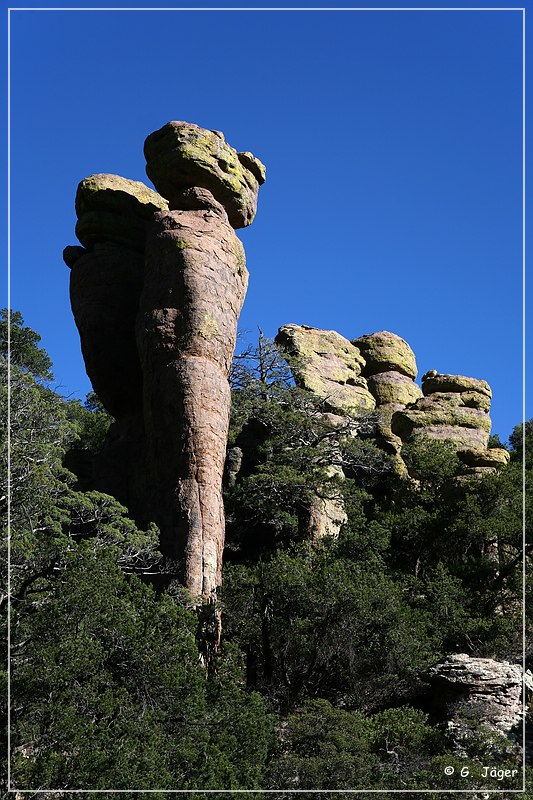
(194, 287)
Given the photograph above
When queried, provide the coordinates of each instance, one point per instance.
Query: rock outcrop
(376, 372)
(156, 292)
(326, 363)
(482, 690)
(330, 366)
(454, 409)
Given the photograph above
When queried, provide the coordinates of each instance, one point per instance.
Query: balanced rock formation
(156, 296)
(390, 370)
(181, 155)
(482, 689)
(454, 409)
(376, 372)
(106, 282)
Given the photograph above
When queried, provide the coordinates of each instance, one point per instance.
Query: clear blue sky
(392, 141)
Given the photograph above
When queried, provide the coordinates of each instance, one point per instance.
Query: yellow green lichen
(208, 328)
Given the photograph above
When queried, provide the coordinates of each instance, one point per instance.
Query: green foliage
(92, 423)
(108, 689)
(320, 625)
(290, 448)
(25, 352)
(323, 747)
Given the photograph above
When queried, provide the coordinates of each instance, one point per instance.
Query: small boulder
(434, 382)
(480, 688)
(393, 387)
(384, 352)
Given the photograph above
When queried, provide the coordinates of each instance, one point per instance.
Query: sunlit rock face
(465, 688)
(376, 372)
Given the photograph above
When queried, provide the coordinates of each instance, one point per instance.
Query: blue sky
(392, 141)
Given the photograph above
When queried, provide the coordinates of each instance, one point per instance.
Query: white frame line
(265, 791)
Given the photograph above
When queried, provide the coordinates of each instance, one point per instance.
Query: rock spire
(156, 291)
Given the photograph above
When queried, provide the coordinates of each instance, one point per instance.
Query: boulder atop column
(180, 155)
(113, 209)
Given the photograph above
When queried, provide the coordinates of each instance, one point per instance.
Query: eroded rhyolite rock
(483, 689)
(326, 363)
(493, 457)
(180, 155)
(455, 409)
(433, 382)
(105, 286)
(384, 351)
(194, 288)
(114, 209)
(156, 295)
(327, 513)
(393, 388)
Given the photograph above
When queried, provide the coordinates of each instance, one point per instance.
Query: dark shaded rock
(180, 155)
(72, 253)
(105, 286)
(232, 466)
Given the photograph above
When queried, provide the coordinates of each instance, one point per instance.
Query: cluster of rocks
(156, 290)
(377, 372)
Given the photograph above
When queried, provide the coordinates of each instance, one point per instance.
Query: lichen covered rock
(180, 155)
(434, 382)
(393, 388)
(326, 363)
(327, 513)
(384, 351)
(459, 415)
(114, 209)
(493, 458)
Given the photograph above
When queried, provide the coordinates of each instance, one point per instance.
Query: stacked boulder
(456, 409)
(330, 366)
(376, 373)
(390, 370)
(106, 281)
